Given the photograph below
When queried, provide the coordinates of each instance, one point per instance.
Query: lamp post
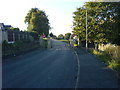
(86, 32)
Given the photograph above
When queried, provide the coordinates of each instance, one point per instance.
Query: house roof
(1, 24)
(8, 26)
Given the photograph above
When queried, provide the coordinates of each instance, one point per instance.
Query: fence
(14, 35)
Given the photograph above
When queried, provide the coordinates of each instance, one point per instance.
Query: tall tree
(61, 36)
(102, 21)
(51, 34)
(37, 21)
(67, 36)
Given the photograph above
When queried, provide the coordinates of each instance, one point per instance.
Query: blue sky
(59, 12)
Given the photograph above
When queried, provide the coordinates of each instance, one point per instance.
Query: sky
(59, 12)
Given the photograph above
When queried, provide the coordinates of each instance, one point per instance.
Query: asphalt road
(57, 68)
(51, 68)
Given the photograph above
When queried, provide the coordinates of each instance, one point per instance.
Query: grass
(75, 45)
(109, 57)
(101, 55)
(45, 39)
(63, 40)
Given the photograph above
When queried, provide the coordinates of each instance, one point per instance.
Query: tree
(102, 22)
(79, 23)
(17, 29)
(34, 35)
(54, 36)
(61, 36)
(67, 36)
(51, 35)
(37, 21)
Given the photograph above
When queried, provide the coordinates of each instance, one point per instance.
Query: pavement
(94, 73)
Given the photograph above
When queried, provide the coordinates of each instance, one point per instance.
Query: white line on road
(78, 72)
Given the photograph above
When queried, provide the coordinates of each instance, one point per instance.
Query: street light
(86, 32)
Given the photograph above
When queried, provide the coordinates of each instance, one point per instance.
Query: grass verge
(66, 41)
(109, 59)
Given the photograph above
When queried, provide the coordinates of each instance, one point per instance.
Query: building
(3, 32)
(4, 27)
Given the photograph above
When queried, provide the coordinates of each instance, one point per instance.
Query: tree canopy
(51, 35)
(17, 29)
(102, 20)
(61, 36)
(37, 21)
(67, 36)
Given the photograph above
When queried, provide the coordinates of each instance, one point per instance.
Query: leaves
(37, 21)
(67, 36)
(102, 19)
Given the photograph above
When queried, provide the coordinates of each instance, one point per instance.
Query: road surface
(57, 68)
(51, 68)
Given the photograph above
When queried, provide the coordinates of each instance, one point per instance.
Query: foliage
(113, 52)
(61, 36)
(67, 36)
(17, 29)
(54, 36)
(110, 56)
(37, 21)
(34, 35)
(51, 35)
(102, 19)
(66, 41)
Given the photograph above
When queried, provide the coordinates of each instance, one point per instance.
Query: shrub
(111, 56)
(114, 52)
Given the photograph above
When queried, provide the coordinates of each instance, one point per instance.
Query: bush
(111, 56)
(114, 52)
